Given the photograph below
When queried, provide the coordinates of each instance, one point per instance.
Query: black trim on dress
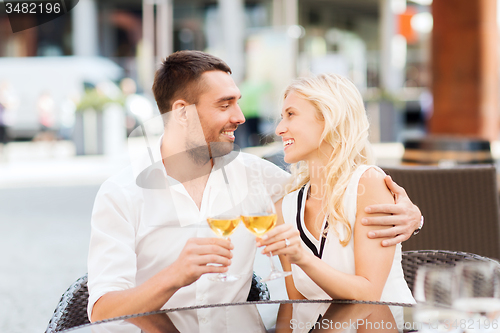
(303, 235)
(317, 322)
(323, 240)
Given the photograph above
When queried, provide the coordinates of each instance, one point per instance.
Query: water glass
(434, 291)
(477, 295)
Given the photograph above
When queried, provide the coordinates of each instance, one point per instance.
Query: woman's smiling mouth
(287, 143)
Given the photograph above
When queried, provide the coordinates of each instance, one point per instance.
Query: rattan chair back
(412, 260)
(72, 308)
(460, 206)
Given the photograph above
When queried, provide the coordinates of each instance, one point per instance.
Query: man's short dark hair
(179, 77)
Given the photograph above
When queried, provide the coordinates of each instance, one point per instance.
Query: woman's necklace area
(309, 196)
(319, 222)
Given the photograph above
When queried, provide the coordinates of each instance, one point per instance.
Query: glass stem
(273, 268)
(223, 275)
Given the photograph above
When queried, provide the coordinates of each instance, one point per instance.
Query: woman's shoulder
(371, 174)
(369, 170)
(366, 181)
(372, 185)
(362, 174)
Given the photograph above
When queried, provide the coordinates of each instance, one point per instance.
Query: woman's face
(300, 129)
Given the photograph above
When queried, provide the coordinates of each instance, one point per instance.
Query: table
(296, 316)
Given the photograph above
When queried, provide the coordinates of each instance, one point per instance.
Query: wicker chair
(460, 206)
(412, 260)
(72, 308)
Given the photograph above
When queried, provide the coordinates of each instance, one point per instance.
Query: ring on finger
(287, 242)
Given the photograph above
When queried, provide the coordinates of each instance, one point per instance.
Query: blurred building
(382, 45)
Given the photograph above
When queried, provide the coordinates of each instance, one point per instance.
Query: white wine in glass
(223, 218)
(259, 224)
(223, 226)
(259, 216)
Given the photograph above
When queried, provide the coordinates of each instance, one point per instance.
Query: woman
(320, 237)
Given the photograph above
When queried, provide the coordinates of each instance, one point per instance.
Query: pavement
(35, 164)
(44, 237)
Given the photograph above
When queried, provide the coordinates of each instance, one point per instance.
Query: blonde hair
(340, 105)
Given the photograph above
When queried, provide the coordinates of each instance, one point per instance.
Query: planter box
(89, 132)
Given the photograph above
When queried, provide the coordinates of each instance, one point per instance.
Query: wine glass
(433, 291)
(259, 216)
(223, 218)
(477, 292)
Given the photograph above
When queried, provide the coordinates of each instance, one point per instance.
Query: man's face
(219, 111)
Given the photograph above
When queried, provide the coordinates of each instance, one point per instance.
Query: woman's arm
(285, 310)
(372, 261)
(292, 292)
(403, 217)
(285, 316)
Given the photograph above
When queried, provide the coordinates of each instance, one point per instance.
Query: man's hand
(154, 293)
(195, 257)
(405, 217)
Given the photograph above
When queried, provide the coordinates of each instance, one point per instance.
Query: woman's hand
(275, 241)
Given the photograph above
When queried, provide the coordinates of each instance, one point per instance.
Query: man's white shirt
(137, 231)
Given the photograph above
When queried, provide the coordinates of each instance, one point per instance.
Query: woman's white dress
(334, 254)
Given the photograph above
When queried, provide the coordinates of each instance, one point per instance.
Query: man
(150, 246)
